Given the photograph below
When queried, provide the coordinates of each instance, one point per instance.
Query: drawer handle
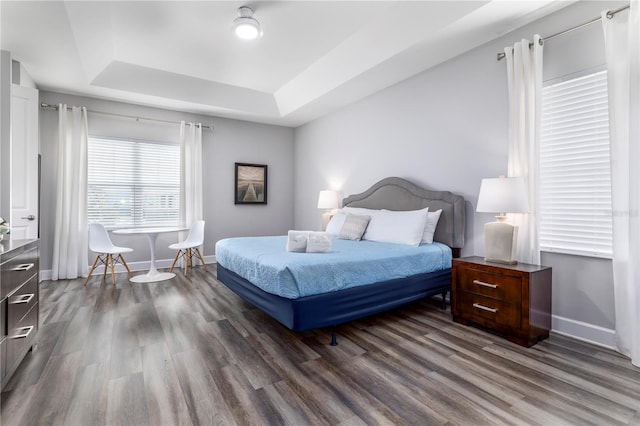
(23, 332)
(483, 284)
(23, 268)
(23, 298)
(485, 308)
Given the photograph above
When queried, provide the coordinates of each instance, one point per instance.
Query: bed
(303, 311)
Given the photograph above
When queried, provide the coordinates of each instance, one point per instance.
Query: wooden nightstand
(512, 300)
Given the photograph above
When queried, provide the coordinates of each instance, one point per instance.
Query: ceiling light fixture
(245, 25)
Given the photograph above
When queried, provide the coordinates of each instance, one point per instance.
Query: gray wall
(447, 128)
(231, 141)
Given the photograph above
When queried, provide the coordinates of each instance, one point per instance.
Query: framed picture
(251, 184)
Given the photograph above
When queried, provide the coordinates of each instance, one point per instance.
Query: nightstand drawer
(497, 286)
(489, 312)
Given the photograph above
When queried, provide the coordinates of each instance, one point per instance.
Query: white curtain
(190, 173)
(70, 244)
(622, 45)
(524, 74)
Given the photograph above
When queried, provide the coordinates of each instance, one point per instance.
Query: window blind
(575, 177)
(133, 183)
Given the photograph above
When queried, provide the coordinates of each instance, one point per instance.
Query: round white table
(152, 234)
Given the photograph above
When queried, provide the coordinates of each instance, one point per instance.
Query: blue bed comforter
(265, 262)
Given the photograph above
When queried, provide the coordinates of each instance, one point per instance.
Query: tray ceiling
(314, 57)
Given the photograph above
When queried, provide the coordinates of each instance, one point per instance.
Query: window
(133, 183)
(575, 178)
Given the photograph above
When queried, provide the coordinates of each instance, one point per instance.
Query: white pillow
(360, 210)
(398, 227)
(335, 223)
(430, 227)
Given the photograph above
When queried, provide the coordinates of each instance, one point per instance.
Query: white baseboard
(583, 331)
(45, 274)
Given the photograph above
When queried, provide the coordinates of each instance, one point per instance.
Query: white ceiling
(314, 57)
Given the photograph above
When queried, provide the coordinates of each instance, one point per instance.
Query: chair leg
(113, 270)
(124, 264)
(95, 262)
(201, 259)
(187, 260)
(106, 265)
(175, 260)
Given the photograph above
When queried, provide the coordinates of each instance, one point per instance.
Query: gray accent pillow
(354, 227)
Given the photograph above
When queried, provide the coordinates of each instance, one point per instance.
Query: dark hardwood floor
(188, 351)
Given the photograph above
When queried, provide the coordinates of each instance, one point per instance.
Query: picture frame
(250, 184)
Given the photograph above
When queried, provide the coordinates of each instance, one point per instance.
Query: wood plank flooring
(188, 351)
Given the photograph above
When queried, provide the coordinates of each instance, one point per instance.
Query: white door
(24, 162)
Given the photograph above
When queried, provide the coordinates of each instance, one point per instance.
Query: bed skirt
(338, 307)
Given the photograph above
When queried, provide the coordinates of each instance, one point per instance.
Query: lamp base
(326, 217)
(501, 243)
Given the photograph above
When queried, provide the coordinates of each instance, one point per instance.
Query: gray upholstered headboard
(395, 193)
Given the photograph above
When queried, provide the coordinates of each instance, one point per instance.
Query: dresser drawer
(3, 337)
(22, 301)
(18, 270)
(501, 287)
(19, 267)
(487, 311)
(21, 337)
(3, 318)
(3, 357)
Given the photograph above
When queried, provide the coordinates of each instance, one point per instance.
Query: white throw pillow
(398, 227)
(335, 223)
(430, 227)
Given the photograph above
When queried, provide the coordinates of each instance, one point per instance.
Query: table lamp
(502, 195)
(327, 200)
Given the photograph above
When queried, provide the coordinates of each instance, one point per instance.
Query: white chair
(108, 253)
(187, 247)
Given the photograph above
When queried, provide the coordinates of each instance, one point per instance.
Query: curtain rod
(46, 105)
(610, 14)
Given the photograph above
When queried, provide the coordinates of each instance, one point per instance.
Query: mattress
(265, 262)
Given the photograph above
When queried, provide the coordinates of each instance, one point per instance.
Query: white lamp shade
(328, 200)
(503, 195)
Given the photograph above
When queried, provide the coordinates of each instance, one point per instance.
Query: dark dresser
(19, 294)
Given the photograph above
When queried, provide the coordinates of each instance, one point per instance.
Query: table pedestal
(153, 275)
